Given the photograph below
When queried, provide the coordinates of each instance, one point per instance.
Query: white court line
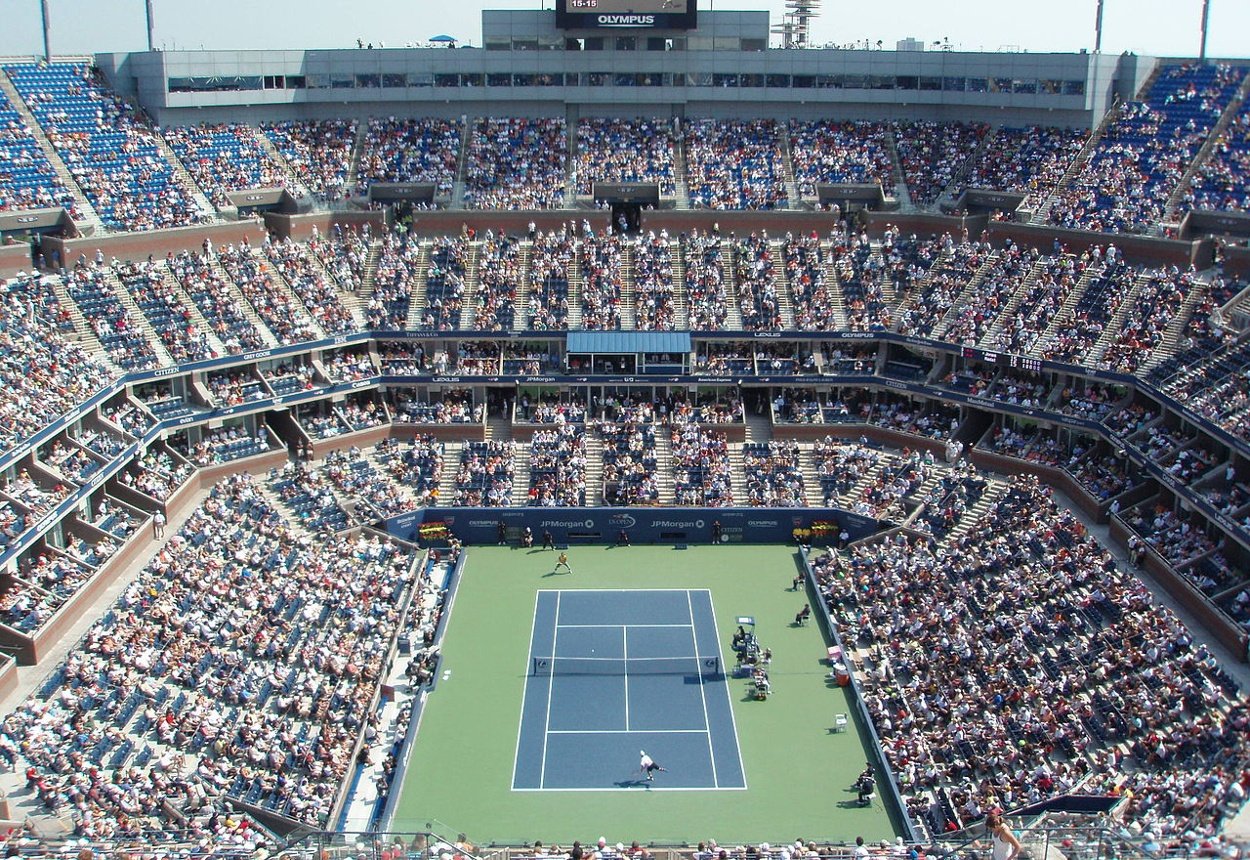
(542, 776)
(614, 626)
(732, 719)
(707, 722)
(627, 731)
(647, 788)
(625, 665)
(529, 669)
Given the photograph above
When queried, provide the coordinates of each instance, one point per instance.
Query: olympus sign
(626, 20)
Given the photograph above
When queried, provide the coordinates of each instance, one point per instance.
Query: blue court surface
(613, 672)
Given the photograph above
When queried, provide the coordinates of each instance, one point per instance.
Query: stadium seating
(110, 153)
(27, 180)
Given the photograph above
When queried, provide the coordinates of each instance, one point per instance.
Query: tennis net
(704, 667)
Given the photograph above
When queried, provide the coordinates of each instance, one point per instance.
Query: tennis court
(614, 672)
(471, 768)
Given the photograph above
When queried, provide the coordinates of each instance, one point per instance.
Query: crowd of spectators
(309, 284)
(774, 477)
(225, 157)
(453, 407)
(223, 445)
(654, 307)
(110, 152)
(354, 474)
(558, 466)
(933, 154)
(1017, 662)
(319, 151)
(45, 375)
(484, 478)
(516, 163)
(216, 302)
(758, 302)
(602, 276)
(705, 280)
(170, 719)
(830, 152)
(629, 455)
(734, 164)
(955, 267)
(156, 474)
(702, 473)
(1049, 289)
(1137, 164)
(550, 257)
(421, 150)
(804, 260)
(624, 150)
(393, 282)
(987, 297)
(170, 317)
(1030, 160)
(344, 253)
(498, 275)
(1156, 303)
(417, 464)
(121, 335)
(27, 180)
(1220, 182)
(445, 282)
(1073, 336)
(289, 323)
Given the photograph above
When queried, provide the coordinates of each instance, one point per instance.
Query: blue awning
(627, 342)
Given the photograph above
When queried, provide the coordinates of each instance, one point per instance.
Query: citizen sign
(627, 20)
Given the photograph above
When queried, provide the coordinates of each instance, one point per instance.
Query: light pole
(1202, 47)
(47, 31)
(151, 25)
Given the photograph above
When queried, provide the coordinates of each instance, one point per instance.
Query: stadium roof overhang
(628, 342)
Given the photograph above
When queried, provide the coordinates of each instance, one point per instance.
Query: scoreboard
(626, 14)
(1003, 359)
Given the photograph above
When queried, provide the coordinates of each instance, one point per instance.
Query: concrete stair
(462, 160)
(521, 475)
(293, 184)
(1013, 304)
(451, 465)
(1170, 344)
(138, 317)
(738, 473)
(901, 191)
(787, 165)
(575, 292)
(520, 315)
(1064, 317)
(472, 282)
(1172, 218)
(681, 302)
(784, 306)
(353, 166)
(629, 293)
(1112, 329)
(416, 301)
(206, 207)
(197, 318)
(836, 297)
(594, 469)
(995, 491)
(664, 466)
(679, 172)
(759, 428)
(244, 306)
(89, 217)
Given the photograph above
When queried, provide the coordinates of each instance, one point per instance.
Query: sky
(1156, 27)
